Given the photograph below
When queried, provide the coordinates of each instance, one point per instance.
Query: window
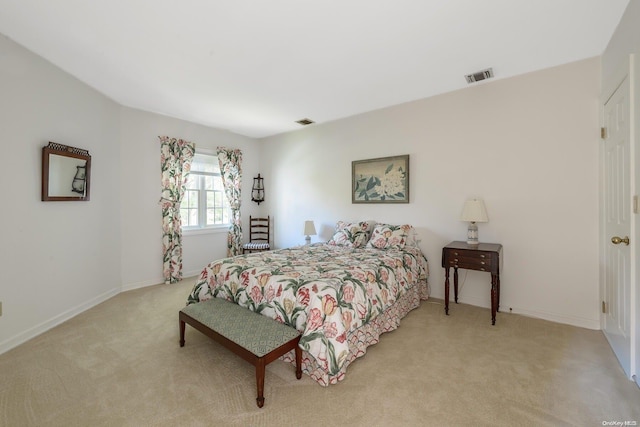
(204, 203)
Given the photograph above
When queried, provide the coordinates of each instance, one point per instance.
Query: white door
(617, 224)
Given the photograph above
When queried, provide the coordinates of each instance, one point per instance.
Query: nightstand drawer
(470, 263)
(474, 260)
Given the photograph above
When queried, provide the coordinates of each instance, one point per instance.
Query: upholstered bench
(256, 338)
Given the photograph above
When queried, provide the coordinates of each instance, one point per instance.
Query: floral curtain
(231, 171)
(175, 158)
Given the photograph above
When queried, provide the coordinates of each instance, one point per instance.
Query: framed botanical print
(381, 180)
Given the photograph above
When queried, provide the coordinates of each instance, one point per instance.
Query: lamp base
(472, 234)
(307, 240)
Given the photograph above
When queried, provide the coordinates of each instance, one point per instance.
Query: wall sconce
(257, 192)
(309, 230)
(472, 212)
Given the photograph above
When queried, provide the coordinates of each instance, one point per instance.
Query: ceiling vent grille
(480, 75)
(304, 122)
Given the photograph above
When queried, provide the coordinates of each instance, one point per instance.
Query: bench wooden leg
(260, 381)
(182, 327)
(298, 362)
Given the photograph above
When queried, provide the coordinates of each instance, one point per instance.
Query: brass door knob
(617, 240)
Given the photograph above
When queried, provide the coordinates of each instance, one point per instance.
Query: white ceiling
(255, 67)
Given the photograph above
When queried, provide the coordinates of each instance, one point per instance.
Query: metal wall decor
(257, 192)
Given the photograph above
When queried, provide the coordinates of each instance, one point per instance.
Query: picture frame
(381, 180)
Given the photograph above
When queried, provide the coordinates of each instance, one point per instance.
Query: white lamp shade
(309, 228)
(474, 211)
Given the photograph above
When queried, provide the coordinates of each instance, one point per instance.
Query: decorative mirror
(65, 173)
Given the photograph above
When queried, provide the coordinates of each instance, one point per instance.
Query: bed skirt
(365, 336)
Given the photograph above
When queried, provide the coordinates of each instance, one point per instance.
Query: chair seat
(256, 246)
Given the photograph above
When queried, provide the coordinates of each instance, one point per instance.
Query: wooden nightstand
(481, 257)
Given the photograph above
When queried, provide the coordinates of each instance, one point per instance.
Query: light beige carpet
(120, 364)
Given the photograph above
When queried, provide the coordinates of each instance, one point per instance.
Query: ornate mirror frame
(66, 173)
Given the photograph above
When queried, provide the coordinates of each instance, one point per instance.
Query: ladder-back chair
(259, 236)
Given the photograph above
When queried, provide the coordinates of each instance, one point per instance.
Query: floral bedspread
(324, 291)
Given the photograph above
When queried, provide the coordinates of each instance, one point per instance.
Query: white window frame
(202, 205)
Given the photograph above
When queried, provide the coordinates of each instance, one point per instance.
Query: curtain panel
(231, 171)
(175, 160)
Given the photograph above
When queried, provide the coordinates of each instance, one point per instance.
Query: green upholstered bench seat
(256, 338)
(255, 332)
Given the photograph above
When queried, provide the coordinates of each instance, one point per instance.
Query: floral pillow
(351, 234)
(386, 236)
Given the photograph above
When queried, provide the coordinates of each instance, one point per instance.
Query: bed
(341, 295)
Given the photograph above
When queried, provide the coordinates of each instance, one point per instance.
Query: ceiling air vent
(304, 122)
(480, 75)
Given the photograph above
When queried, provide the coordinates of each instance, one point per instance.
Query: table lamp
(472, 212)
(309, 230)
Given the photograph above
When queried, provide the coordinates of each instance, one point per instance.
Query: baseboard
(33, 332)
(143, 284)
(187, 274)
(159, 281)
(560, 318)
(539, 314)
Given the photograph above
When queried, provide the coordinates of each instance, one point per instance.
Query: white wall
(141, 231)
(56, 258)
(528, 145)
(625, 41)
(60, 258)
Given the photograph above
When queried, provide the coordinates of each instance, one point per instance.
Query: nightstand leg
(498, 281)
(494, 298)
(446, 290)
(455, 284)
